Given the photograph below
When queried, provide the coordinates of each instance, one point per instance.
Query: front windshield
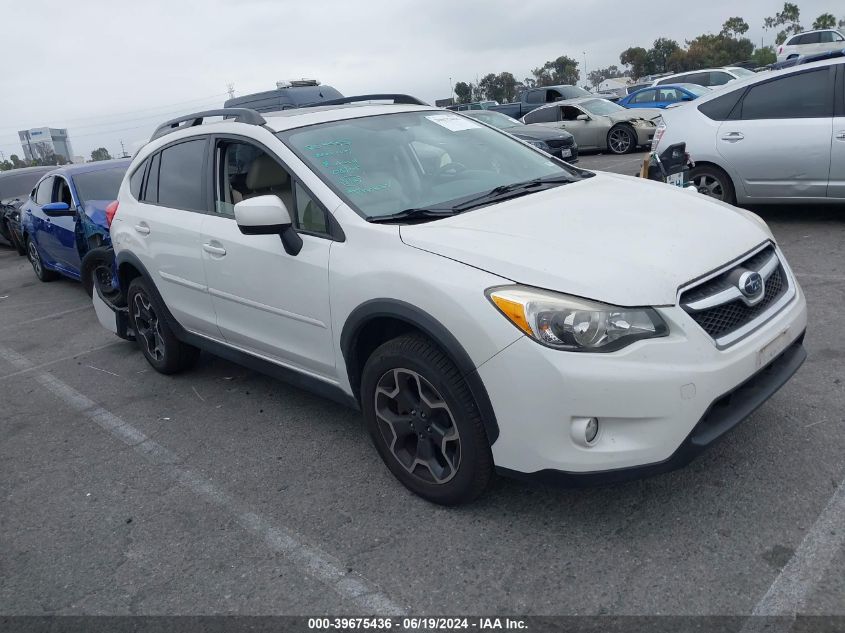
(601, 107)
(381, 165)
(501, 121)
(102, 184)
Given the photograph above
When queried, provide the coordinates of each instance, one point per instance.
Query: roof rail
(396, 98)
(241, 115)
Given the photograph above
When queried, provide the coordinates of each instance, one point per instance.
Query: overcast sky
(111, 70)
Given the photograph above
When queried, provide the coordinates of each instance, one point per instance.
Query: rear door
(779, 137)
(167, 231)
(268, 301)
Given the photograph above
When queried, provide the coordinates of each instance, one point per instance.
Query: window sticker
(453, 122)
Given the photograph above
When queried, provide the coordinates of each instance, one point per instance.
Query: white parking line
(60, 360)
(788, 594)
(308, 558)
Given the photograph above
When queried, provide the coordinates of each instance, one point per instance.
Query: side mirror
(686, 98)
(268, 215)
(57, 209)
(583, 117)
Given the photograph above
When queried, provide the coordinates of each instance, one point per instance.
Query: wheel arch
(739, 192)
(379, 320)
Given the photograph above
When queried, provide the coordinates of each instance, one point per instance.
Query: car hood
(538, 132)
(617, 239)
(632, 114)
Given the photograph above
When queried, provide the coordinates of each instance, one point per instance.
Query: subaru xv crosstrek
(486, 306)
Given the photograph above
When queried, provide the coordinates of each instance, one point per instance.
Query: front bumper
(659, 402)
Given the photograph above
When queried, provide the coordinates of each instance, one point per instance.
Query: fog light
(584, 431)
(592, 430)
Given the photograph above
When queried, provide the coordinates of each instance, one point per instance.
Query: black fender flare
(432, 328)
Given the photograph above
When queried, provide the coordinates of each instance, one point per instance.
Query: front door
(836, 184)
(62, 241)
(780, 145)
(267, 301)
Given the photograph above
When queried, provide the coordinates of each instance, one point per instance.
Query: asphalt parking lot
(223, 491)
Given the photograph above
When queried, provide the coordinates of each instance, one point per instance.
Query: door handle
(840, 136)
(733, 137)
(142, 229)
(214, 250)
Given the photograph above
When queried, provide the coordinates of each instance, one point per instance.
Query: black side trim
(260, 365)
(435, 331)
(724, 414)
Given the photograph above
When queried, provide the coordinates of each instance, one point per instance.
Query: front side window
(245, 171)
(796, 96)
(180, 178)
(837, 37)
(62, 193)
(534, 96)
(44, 193)
(381, 165)
(601, 107)
(102, 184)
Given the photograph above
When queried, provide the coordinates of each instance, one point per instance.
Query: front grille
(721, 309)
(561, 142)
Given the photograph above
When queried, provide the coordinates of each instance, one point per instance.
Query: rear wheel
(621, 140)
(166, 353)
(41, 271)
(424, 421)
(713, 182)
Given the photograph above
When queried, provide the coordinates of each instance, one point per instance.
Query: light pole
(585, 67)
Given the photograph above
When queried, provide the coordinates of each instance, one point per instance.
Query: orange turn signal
(514, 311)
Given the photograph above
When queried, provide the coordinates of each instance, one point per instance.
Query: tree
(507, 87)
(463, 91)
(17, 163)
(595, 77)
(529, 82)
(6, 165)
(734, 27)
(825, 21)
(563, 70)
(788, 18)
(764, 56)
(101, 153)
(636, 58)
(660, 52)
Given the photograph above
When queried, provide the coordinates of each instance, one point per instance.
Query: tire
(96, 269)
(41, 271)
(166, 353)
(714, 182)
(621, 140)
(410, 381)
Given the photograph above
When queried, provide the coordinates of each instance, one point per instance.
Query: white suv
(811, 43)
(486, 306)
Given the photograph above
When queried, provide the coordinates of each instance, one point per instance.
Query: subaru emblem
(750, 283)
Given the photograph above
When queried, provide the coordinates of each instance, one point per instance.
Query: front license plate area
(771, 350)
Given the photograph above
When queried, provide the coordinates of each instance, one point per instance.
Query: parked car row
(442, 276)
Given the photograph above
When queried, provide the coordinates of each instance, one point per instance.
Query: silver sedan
(599, 124)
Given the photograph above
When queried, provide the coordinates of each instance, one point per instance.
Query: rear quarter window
(720, 109)
(137, 179)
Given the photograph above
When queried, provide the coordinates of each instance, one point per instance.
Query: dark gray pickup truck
(535, 97)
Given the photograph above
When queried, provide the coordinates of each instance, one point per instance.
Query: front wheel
(424, 421)
(41, 271)
(713, 182)
(621, 140)
(166, 353)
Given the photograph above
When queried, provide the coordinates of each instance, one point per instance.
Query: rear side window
(797, 96)
(534, 96)
(719, 109)
(542, 115)
(137, 179)
(646, 96)
(180, 177)
(151, 182)
(44, 193)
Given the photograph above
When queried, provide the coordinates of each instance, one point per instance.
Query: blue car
(63, 222)
(663, 96)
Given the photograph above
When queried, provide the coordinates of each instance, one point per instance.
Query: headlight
(574, 324)
(539, 145)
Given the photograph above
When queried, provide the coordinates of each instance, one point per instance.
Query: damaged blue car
(64, 222)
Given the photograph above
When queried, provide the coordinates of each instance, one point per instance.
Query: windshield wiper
(504, 192)
(411, 214)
